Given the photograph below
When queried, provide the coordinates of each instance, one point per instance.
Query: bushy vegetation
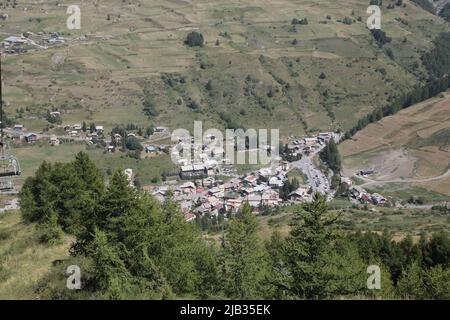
(330, 155)
(195, 39)
(129, 247)
(425, 4)
(445, 12)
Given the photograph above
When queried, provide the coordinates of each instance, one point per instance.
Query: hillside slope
(255, 70)
(24, 262)
(413, 145)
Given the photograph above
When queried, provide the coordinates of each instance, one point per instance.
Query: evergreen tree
(49, 230)
(320, 266)
(244, 260)
(331, 156)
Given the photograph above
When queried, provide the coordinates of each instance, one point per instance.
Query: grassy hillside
(411, 145)
(262, 70)
(23, 260)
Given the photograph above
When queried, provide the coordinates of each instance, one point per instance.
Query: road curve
(370, 182)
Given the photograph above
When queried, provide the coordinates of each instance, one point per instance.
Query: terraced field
(258, 76)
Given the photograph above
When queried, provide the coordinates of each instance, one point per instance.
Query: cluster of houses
(29, 40)
(360, 196)
(306, 145)
(208, 196)
(19, 134)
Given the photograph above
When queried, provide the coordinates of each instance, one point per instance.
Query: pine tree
(244, 259)
(49, 230)
(320, 265)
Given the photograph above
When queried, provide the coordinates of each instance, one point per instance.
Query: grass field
(23, 261)
(145, 169)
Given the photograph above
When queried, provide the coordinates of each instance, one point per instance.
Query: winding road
(370, 182)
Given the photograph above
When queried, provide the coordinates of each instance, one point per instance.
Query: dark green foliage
(288, 187)
(131, 247)
(437, 63)
(244, 262)
(296, 21)
(133, 144)
(316, 264)
(149, 104)
(445, 12)
(425, 4)
(195, 39)
(330, 155)
(380, 37)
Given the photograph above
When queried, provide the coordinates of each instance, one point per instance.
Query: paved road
(316, 178)
(371, 182)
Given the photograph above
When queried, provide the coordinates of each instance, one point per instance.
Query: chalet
(188, 188)
(254, 200)
(163, 147)
(77, 127)
(160, 196)
(93, 136)
(185, 207)
(18, 127)
(99, 129)
(325, 136)
(365, 198)
(251, 180)
(310, 141)
(15, 40)
(150, 149)
(54, 141)
(299, 195)
(270, 199)
(347, 181)
(233, 205)
(208, 182)
(117, 137)
(159, 129)
(233, 184)
(31, 137)
(275, 182)
(356, 192)
(378, 199)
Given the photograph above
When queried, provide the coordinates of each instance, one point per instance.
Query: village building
(192, 171)
(188, 188)
(270, 199)
(150, 149)
(300, 195)
(99, 129)
(18, 127)
(54, 141)
(31, 137)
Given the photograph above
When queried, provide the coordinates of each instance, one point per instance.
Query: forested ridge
(128, 246)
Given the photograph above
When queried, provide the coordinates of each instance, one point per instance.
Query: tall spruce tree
(318, 263)
(244, 261)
